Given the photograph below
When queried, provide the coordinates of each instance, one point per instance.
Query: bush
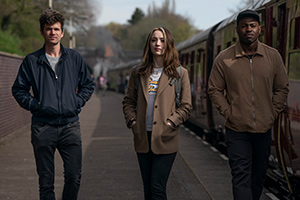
(10, 43)
(31, 44)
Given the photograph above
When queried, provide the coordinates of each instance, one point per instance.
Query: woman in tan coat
(150, 110)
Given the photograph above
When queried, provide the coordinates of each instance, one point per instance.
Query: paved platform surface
(110, 168)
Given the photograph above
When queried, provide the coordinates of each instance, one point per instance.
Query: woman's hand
(170, 123)
(131, 122)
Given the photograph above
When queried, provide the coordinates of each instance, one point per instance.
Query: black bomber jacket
(55, 98)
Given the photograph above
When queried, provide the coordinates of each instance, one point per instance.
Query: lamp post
(72, 38)
(50, 4)
(71, 41)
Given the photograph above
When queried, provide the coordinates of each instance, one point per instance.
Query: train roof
(205, 34)
(126, 64)
(194, 39)
(256, 4)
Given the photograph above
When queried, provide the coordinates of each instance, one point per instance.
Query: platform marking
(223, 156)
(198, 138)
(186, 129)
(271, 196)
(204, 142)
(214, 149)
(192, 133)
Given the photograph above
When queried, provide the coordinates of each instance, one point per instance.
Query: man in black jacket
(61, 84)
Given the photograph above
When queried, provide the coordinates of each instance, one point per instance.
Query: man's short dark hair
(50, 17)
(247, 13)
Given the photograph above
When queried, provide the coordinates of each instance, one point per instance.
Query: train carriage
(117, 75)
(194, 54)
(282, 31)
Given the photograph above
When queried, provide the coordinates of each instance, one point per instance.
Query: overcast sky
(202, 13)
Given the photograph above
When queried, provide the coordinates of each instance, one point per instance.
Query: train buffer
(110, 167)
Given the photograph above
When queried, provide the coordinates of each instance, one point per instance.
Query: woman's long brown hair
(170, 56)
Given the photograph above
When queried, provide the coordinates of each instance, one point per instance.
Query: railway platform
(110, 168)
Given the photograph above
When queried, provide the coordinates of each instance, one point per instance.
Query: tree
(19, 18)
(79, 11)
(179, 26)
(136, 16)
(117, 30)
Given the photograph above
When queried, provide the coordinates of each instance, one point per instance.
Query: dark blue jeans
(66, 139)
(249, 159)
(155, 170)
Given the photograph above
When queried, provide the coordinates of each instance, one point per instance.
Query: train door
(291, 145)
(198, 84)
(193, 80)
(287, 126)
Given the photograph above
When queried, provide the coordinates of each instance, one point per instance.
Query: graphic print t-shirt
(152, 90)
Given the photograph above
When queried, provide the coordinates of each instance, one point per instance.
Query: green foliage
(31, 44)
(21, 18)
(10, 43)
(133, 36)
(118, 31)
(26, 27)
(137, 16)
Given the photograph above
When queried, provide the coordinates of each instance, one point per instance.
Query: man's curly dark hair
(50, 17)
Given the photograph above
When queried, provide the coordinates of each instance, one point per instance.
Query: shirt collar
(239, 52)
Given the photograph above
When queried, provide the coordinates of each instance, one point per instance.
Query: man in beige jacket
(256, 84)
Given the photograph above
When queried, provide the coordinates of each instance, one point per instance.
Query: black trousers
(248, 158)
(155, 171)
(66, 139)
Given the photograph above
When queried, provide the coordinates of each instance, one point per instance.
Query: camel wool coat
(165, 139)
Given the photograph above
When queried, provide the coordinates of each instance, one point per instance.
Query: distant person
(152, 113)
(126, 82)
(98, 85)
(103, 83)
(255, 81)
(120, 85)
(61, 84)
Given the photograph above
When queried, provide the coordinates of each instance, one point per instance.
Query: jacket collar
(163, 83)
(42, 54)
(239, 52)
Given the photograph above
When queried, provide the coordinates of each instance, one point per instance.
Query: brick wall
(12, 116)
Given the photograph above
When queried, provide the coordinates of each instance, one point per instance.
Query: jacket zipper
(59, 102)
(252, 84)
(56, 77)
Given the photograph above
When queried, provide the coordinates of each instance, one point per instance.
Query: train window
(192, 57)
(203, 67)
(228, 44)
(187, 58)
(295, 34)
(182, 59)
(192, 74)
(294, 67)
(219, 49)
(199, 55)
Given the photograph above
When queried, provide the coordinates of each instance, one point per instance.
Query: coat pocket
(169, 132)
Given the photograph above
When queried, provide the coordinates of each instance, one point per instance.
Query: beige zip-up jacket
(165, 139)
(249, 93)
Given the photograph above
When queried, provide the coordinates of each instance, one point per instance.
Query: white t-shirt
(152, 90)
